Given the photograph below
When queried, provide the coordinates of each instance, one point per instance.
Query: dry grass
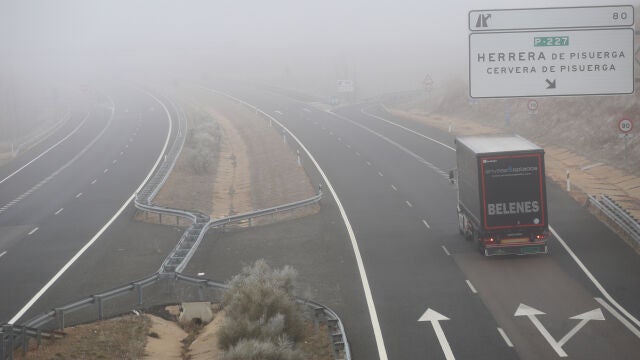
(119, 338)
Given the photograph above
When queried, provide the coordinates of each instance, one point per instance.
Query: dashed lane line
(106, 171)
(394, 187)
(426, 224)
(49, 149)
(33, 231)
(78, 195)
(409, 204)
(380, 174)
(58, 212)
(3, 253)
(473, 289)
(446, 251)
(94, 181)
(126, 203)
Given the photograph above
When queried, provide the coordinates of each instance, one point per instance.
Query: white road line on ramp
(382, 352)
(60, 272)
(444, 248)
(473, 289)
(426, 224)
(3, 253)
(33, 231)
(58, 212)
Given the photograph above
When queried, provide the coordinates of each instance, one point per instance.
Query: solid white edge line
(620, 318)
(505, 337)
(377, 331)
(46, 151)
(473, 289)
(60, 272)
(594, 280)
(564, 245)
(405, 128)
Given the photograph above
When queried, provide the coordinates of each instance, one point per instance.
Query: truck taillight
(490, 240)
(540, 236)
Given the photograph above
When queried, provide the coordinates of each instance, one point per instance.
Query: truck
(502, 199)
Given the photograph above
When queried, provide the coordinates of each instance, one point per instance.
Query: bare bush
(260, 306)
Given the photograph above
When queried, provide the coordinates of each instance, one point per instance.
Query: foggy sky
(383, 45)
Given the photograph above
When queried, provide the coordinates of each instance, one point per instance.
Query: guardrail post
(25, 341)
(177, 220)
(98, 299)
(139, 291)
(2, 352)
(60, 317)
(10, 347)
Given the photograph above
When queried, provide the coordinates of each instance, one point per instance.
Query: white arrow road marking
(584, 318)
(435, 317)
(528, 311)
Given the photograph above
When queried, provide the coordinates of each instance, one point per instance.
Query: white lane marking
(369, 163)
(3, 253)
(357, 153)
(331, 133)
(594, 280)
(78, 195)
(446, 251)
(620, 318)
(348, 146)
(58, 212)
(130, 139)
(379, 173)
(434, 318)
(114, 161)
(394, 187)
(33, 231)
(126, 146)
(49, 149)
(121, 153)
(66, 165)
(426, 224)
(377, 331)
(473, 289)
(505, 337)
(94, 181)
(405, 128)
(409, 204)
(106, 171)
(46, 287)
(442, 172)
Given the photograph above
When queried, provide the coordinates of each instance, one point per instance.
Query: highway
(57, 198)
(391, 178)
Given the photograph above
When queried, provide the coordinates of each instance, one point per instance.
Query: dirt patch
(164, 340)
(119, 338)
(250, 166)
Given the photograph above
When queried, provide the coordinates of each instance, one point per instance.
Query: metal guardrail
(620, 216)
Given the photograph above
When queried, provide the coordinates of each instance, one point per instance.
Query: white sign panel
(345, 86)
(551, 18)
(551, 63)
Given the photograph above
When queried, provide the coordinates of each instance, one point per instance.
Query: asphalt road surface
(58, 196)
(392, 182)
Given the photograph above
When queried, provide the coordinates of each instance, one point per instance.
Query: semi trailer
(502, 202)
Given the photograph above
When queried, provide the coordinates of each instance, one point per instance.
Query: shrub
(262, 350)
(260, 306)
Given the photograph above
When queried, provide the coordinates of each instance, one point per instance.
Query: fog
(55, 46)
